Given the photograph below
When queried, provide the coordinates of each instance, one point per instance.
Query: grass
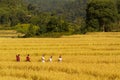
(10, 34)
(85, 57)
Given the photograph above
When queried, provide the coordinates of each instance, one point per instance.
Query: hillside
(39, 17)
(70, 8)
(48, 5)
(45, 15)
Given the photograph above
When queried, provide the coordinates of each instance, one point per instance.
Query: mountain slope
(69, 8)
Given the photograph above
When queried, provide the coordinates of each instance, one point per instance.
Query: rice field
(94, 56)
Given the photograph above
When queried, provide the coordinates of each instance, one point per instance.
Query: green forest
(60, 17)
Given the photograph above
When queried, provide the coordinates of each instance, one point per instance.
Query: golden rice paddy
(94, 56)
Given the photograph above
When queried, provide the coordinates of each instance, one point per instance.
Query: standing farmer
(50, 59)
(60, 59)
(43, 58)
(28, 58)
(18, 58)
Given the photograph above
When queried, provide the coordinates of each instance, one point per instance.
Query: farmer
(28, 58)
(50, 59)
(60, 59)
(43, 58)
(18, 58)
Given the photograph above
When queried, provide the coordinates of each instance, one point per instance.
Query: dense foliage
(12, 12)
(48, 16)
(60, 16)
(100, 14)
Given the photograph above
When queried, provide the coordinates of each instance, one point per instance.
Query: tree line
(39, 17)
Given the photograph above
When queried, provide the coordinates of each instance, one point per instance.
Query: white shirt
(43, 59)
(50, 59)
(60, 59)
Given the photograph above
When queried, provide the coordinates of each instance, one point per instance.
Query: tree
(100, 14)
(118, 8)
(32, 31)
(118, 5)
(12, 12)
